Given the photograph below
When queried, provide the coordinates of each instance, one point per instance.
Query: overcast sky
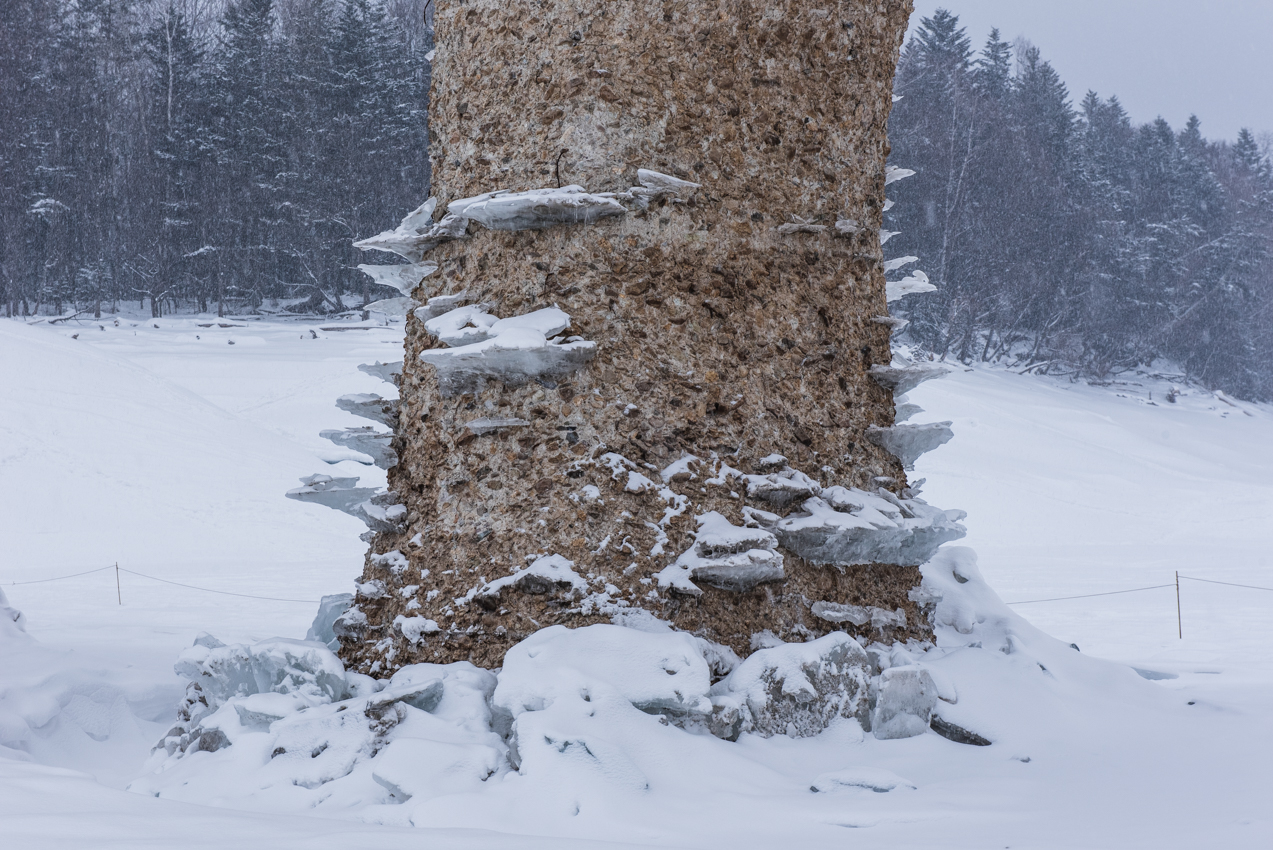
(1161, 57)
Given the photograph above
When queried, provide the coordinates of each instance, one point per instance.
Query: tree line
(1065, 238)
(204, 153)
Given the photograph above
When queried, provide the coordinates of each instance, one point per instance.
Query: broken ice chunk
(367, 440)
(371, 406)
(907, 442)
(781, 489)
(536, 209)
(404, 278)
(905, 703)
(847, 226)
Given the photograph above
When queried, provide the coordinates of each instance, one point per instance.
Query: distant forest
(1066, 239)
(194, 153)
(216, 154)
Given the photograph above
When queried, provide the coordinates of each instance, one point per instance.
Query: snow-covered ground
(167, 450)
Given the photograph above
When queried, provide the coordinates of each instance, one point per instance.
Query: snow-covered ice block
(726, 556)
(796, 689)
(783, 488)
(913, 284)
(547, 574)
(462, 325)
(329, 608)
(279, 665)
(371, 406)
(904, 703)
(850, 526)
(536, 209)
(655, 672)
(367, 440)
(907, 442)
(513, 350)
(404, 277)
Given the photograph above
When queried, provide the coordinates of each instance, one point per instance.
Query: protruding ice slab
(858, 615)
(440, 304)
(907, 442)
(849, 526)
(898, 262)
(513, 350)
(660, 182)
(404, 277)
(378, 508)
(725, 556)
(916, 283)
(371, 406)
(491, 424)
(536, 209)
(417, 234)
(892, 174)
(367, 440)
(388, 372)
(800, 225)
(901, 379)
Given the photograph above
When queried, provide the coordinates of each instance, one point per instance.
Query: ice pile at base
(630, 720)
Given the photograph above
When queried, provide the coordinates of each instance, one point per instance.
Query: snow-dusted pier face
(662, 271)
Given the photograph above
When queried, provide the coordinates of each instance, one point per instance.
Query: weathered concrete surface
(716, 335)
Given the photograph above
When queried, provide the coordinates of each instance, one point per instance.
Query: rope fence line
(1090, 595)
(60, 578)
(1228, 583)
(118, 569)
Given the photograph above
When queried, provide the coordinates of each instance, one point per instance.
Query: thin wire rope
(1228, 583)
(222, 592)
(1090, 595)
(60, 578)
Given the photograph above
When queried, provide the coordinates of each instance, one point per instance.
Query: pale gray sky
(1161, 57)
